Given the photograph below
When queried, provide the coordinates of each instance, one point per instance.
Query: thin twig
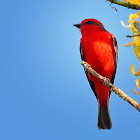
(128, 5)
(107, 83)
(113, 7)
(130, 36)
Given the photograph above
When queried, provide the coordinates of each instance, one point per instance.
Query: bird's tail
(104, 120)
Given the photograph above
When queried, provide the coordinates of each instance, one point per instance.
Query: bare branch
(130, 36)
(107, 83)
(128, 5)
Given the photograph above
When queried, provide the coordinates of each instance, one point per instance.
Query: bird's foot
(106, 81)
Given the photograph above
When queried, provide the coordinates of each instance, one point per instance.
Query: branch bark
(124, 4)
(107, 83)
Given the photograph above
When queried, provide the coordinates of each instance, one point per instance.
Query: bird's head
(89, 26)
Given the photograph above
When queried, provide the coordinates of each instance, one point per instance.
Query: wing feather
(115, 58)
(86, 72)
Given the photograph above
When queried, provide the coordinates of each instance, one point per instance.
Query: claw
(106, 81)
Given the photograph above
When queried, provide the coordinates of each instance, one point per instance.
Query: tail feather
(104, 120)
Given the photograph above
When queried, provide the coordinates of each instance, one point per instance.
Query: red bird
(99, 49)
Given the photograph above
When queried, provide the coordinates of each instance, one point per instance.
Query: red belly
(99, 54)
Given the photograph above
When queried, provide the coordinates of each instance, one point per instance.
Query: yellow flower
(138, 80)
(136, 93)
(131, 21)
(137, 46)
(136, 40)
(133, 71)
(138, 85)
(133, 1)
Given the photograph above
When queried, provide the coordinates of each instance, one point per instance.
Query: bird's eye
(89, 22)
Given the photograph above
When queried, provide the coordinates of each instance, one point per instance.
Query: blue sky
(44, 93)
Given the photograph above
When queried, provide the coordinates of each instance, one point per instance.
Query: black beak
(77, 25)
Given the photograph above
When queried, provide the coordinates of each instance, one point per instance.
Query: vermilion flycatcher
(99, 49)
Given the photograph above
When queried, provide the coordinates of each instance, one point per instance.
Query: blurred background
(44, 93)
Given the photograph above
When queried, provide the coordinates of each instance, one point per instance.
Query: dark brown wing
(115, 58)
(90, 82)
